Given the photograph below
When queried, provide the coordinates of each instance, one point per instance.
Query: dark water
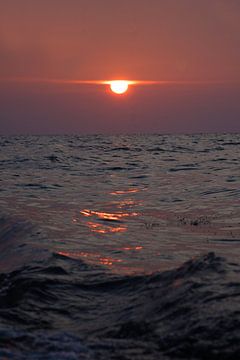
(120, 247)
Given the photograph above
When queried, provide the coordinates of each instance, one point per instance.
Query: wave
(20, 242)
(69, 308)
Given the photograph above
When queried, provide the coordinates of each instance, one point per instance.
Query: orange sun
(119, 86)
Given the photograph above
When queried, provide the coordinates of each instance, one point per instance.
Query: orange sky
(131, 39)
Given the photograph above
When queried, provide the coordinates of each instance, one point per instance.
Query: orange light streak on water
(91, 257)
(123, 192)
(133, 248)
(106, 215)
(98, 228)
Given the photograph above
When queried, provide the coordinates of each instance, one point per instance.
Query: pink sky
(132, 39)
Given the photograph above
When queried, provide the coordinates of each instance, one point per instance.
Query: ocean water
(120, 247)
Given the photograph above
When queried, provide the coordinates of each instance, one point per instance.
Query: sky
(187, 40)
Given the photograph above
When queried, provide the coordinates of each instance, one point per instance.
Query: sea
(120, 247)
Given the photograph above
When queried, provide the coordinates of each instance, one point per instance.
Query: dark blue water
(120, 247)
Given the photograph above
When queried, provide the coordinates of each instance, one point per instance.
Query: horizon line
(108, 82)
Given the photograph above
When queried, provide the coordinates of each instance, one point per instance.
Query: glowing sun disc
(119, 86)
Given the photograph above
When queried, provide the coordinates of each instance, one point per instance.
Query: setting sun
(119, 86)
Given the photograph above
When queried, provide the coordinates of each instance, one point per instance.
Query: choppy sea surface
(120, 247)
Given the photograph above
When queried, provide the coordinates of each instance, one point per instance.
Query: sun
(119, 86)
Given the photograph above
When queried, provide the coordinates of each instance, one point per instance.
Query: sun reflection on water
(91, 257)
(104, 229)
(112, 219)
(115, 218)
(106, 215)
(129, 248)
(124, 192)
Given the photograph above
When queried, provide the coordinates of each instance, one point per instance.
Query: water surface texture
(120, 247)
